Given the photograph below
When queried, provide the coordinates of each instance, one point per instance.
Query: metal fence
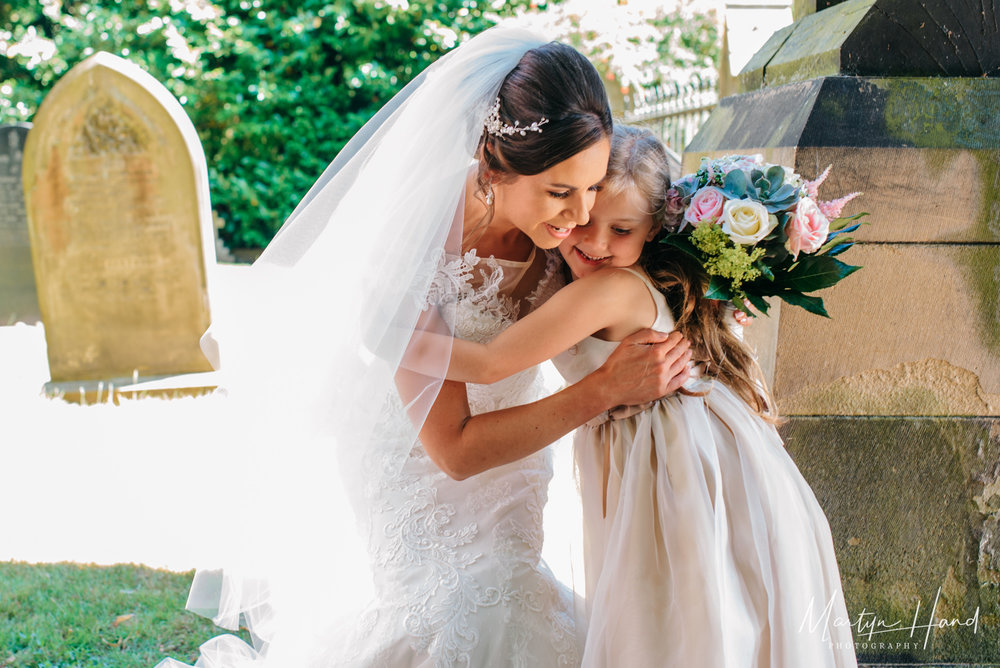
(674, 112)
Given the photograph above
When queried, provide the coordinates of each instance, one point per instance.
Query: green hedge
(274, 88)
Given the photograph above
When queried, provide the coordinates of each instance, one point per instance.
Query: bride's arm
(607, 298)
(645, 366)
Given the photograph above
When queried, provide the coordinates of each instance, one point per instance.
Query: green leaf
(758, 302)
(765, 270)
(839, 248)
(814, 272)
(808, 302)
(776, 174)
(735, 184)
(718, 288)
(682, 242)
(777, 255)
(832, 243)
(783, 199)
(840, 223)
(846, 230)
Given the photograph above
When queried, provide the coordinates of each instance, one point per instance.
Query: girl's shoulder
(631, 279)
(625, 292)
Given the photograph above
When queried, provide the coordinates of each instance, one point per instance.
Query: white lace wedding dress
(458, 572)
(458, 575)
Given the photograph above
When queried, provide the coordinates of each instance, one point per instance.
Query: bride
(430, 220)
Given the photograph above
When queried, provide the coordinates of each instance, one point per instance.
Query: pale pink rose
(705, 207)
(807, 228)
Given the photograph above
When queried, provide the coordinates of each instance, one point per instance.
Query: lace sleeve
(552, 281)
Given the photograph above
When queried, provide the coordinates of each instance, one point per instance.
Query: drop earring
(489, 194)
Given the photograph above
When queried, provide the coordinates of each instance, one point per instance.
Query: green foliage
(71, 615)
(721, 258)
(690, 41)
(274, 88)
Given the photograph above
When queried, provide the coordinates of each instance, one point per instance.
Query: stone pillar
(894, 403)
(116, 188)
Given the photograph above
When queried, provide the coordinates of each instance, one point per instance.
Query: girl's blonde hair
(639, 162)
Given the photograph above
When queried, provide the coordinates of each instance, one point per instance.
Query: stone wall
(894, 403)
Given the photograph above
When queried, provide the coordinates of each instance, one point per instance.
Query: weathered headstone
(894, 404)
(116, 188)
(18, 301)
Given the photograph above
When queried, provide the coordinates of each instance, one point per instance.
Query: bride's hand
(644, 367)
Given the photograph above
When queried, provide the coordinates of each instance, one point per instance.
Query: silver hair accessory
(495, 126)
(489, 194)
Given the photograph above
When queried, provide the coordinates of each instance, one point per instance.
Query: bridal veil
(310, 346)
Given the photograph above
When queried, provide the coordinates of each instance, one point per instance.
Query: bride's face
(547, 206)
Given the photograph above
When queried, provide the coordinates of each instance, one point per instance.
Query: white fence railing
(674, 112)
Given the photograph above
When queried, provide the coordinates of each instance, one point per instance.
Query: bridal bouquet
(760, 230)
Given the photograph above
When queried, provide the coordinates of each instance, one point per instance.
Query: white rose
(746, 221)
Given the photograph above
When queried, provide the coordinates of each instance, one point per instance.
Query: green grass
(63, 615)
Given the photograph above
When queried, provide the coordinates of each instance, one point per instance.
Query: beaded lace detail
(458, 568)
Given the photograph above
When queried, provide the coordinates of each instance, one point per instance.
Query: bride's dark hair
(555, 82)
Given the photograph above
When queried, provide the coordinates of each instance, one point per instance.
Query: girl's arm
(646, 366)
(605, 299)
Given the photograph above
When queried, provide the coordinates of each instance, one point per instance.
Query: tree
(275, 88)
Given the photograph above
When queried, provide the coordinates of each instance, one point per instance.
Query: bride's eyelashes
(565, 193)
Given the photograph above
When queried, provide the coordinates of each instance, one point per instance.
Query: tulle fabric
(703, 544)
(714, 551)
(310, 351)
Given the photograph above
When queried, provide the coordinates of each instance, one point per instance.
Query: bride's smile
(548, 205)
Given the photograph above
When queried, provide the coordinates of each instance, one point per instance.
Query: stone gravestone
(894, 404)
(18, 301)
(116, 188)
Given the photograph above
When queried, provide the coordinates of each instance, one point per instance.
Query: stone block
(930, 167)
(916, 332)
(18, 301)
(914, 508)
(945, 38)
(116, 188)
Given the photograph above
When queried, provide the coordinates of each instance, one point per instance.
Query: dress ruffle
(714, 551)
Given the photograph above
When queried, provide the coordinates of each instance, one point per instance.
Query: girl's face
(547, 206)
(619, 227)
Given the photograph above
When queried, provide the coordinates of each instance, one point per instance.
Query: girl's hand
(741, 317)
(645, 367)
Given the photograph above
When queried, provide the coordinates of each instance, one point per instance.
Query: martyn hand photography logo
(868, 625)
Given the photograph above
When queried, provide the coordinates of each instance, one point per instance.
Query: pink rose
(705, 207)
(807, 228)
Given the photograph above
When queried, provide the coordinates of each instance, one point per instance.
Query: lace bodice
(458, 569)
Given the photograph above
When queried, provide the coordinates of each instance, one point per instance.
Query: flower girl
(704, 546)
